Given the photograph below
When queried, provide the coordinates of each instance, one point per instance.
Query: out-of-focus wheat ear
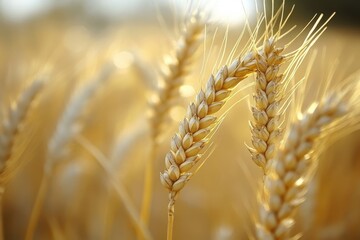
(173, 77)
(68, 126)
(11, 126)
(195, 128)
(265, 125)
(287, 180)
(175, 70)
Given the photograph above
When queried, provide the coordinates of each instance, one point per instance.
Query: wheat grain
(285, 185)
(265, 126)
(194, 129)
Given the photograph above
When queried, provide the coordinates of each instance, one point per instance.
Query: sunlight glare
(231, 11)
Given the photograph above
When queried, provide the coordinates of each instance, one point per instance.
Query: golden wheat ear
(196, 127)
(11, 127)
(289, 173)
(273, 89)
(176, 69)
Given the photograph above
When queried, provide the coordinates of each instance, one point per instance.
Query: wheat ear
(176, 70)
(286, 183)
(67, 127)
(10, 129)
(265, 126)
(194, 129)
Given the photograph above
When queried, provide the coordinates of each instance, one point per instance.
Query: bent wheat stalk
(194, 129)
(287, 181)
(173, 79)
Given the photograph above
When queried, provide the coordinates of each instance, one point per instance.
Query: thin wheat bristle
(12, 125)
(286, 183)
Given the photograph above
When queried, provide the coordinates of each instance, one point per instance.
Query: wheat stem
(36, 209)
(1, 213)
(118, 186)
(148, 185)
(171, 216)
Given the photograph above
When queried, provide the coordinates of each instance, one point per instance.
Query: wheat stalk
(176, 70)
(285, 185)
(118, 186)
(58, 147)
(265, 126)
(194, 129)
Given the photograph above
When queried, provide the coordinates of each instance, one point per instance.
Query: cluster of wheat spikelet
(285, 153)
(284, 190)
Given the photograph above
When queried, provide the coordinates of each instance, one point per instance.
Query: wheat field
(179, 126)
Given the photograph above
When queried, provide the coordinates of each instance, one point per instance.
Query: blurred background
(70, 40)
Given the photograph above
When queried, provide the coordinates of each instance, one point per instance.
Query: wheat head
(173, 79)
(286, 183)
(11, 127)
(194, 129)
(176, 69)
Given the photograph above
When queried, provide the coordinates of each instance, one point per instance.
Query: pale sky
(228, 11)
